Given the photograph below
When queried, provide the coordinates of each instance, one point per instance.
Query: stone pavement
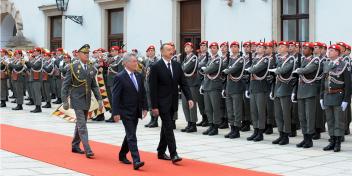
(240, 153)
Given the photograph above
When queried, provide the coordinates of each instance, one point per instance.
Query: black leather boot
(206, 132)
(48, 105)
(3, 103)
(255, 133)
(277, 141)
(224, 124)
(235, 134)
(309, 141)
(154, 123)
(317, 135)
(337, 146)
(18, 107)
(150, 122)
(269, 129)
(301, 144)
(285, 140)
(246, 126)
(331, 145)
(37, 109)
(192, 128)
(231, 132)
(214, 131)
(186, 128)
(259, 136)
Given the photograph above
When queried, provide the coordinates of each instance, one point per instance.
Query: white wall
(249, 20)
(148, 22)
(333, 21)
(33, 19)
(76, 35)
(7, 26)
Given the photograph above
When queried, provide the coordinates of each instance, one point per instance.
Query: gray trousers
(28, 87)
(18, 87)
(234, 106)
(4, 92)
(307, 114)
(58, 83)
(81, 131)
(295, 117)
(201, 104)
(283, 113)
(246, 109)
(46, 90)
(52, 85)
(320, 118)
(270, 117)
(336, 120)
(36, 87)
(258, 102)
(212, 106)
(191, 114)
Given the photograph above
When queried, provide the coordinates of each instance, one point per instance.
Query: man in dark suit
(165, 77)
(129, 103)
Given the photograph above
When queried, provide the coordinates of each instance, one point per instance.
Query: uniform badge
(316, 61)
(265, 60)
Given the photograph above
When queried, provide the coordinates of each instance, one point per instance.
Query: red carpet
(56, 149)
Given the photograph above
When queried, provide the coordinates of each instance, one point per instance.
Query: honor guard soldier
(27, 75)
(18, 76)
(234, 90)
(148, 62)
(78, 85)
(282, 92)
(335, 96)
(345, 55)
(48, 70)
(203, 58)
(36, 67)
(246, 120)
(320, 117)
(270, 115)
(307, 92)
(64, 65)
(189, 67)
(225, 57)
(212, 87)
(258, 92)
(4, 72)
(114, 67)
(57, 74)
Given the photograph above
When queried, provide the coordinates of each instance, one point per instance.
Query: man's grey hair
(126, 57)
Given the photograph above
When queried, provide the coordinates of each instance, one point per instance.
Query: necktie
(169, 67)
(85, 67)
(134, 81)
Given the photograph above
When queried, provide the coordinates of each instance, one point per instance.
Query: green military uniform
(18, 77)
(270, 115)
(203, 60)
(48, 69)
(282, 93)
(78, 84)
(212, 86)
(307, 92)
(153, 119)
(189, 67)
(258, 92)
(114, 67)
(35, 79)
(234, 91)
(57, 78)
(224, 124)
(295, 122)
(246, 119)
(335, 93)
(4, 93)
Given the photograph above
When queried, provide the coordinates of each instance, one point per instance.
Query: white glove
(201, 90)
(223, 94)
(322, 104)
(271, 96)
(203, 68)
(272, 70)
(247, 69)
(295, 71)
(344, 105)
(293, 98)
(100, 103)
(65, 105)
(246, 94)
(225, 71)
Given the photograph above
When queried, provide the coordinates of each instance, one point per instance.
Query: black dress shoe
(37, 109)
(30, 103)
(124, 160)
(138, 165)
(48, 105)
(77, 150)
(90, 155)
(18, 107)
(111, 120)
(176, 159)
(163, 157)
(3, 103)
(58, 101)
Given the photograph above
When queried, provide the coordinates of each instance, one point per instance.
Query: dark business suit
(164, 96)
(128, 102)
